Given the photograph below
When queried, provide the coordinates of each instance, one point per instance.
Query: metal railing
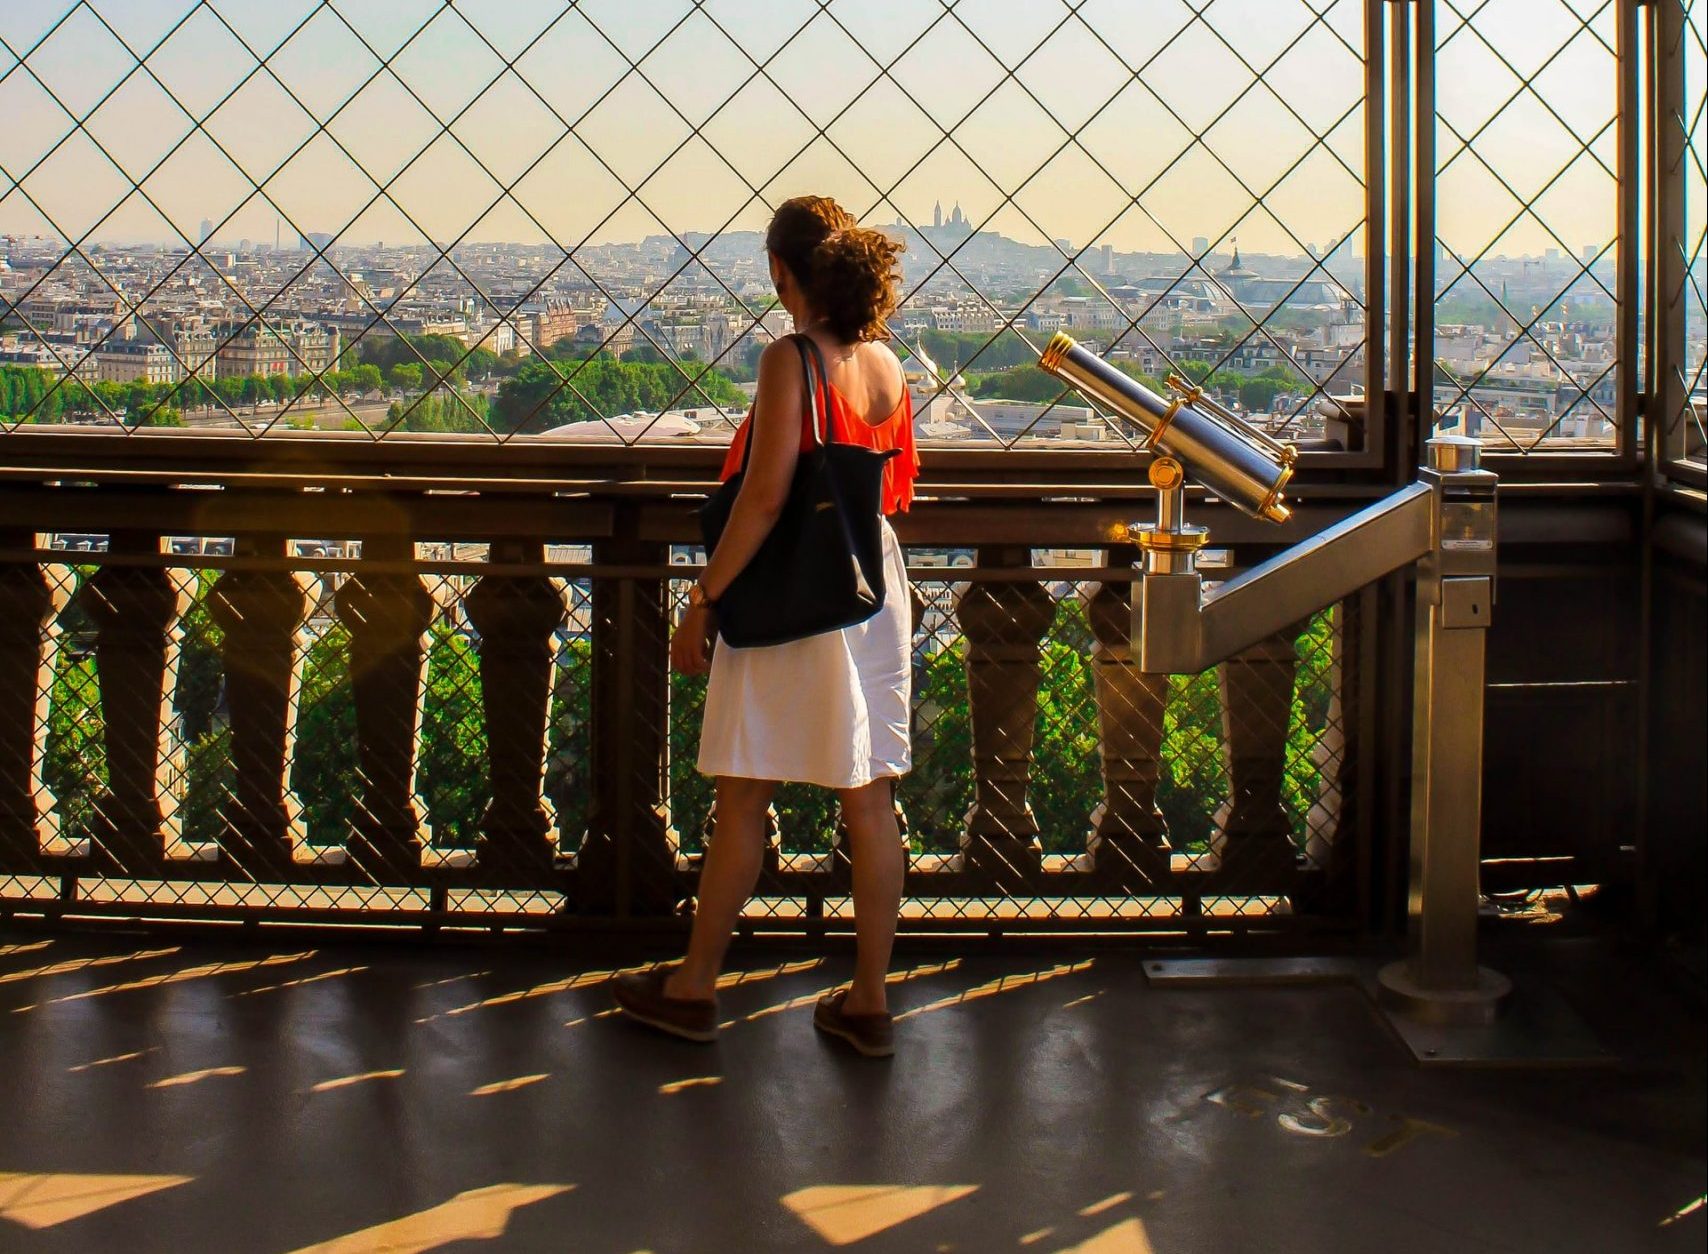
(467, 717)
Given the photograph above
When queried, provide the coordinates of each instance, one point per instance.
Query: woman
(831, 709)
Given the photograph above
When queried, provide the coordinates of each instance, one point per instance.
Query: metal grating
(1123, 156)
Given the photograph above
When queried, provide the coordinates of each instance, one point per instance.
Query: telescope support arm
(1181, 630)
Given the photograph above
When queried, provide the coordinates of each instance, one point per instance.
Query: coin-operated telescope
(1444, 524)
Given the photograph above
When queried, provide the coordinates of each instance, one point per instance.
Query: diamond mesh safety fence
(1684, 423)
(425, 734)
(503, 220)
(1528, 238)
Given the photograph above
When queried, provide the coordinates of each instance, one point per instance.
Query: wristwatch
(697, 596)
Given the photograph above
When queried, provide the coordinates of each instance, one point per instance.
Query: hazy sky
(886, 138)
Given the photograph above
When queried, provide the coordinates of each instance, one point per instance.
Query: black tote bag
(821, 568)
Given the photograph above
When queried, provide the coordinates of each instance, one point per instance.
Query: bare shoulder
(779, 384)
(778, 352)
(883, 369)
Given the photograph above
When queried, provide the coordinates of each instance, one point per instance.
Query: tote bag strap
(809, 346)
(808, 408)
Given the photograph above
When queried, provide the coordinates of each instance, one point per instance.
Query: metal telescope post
(1440, 1001)
(1439, 981)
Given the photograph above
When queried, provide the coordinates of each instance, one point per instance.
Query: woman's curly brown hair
(851, 275)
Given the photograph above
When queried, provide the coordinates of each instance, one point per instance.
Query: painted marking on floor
(44, 1199)
(699, 1081)
(196, 1077)
(345, 1081)
(845, 1213)
(1032, 1238)
(507, 1086)
(473, 1215)
(1324, 1115)
(1408, 1131)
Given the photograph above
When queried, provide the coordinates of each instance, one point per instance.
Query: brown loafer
(872, 1035)
(640, 995)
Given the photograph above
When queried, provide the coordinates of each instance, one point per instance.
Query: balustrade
(135, 610)
(517, 616)
(1129, 835)
(520, 685)
(29, 628)
(261, 614)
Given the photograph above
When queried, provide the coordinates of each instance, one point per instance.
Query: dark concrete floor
(163, 1092)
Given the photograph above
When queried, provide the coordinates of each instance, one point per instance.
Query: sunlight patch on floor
(597, 1014)
(1126, 1237)
(449, 979)
(731, 979)
(1108, 1203)
(102, 1062)
(811, 999)
(70, 965)
(550, 988)
(307, 979)
(175, 977)
(196, 1077)
(507, 1086)
(1689, 1208)
(1002, 984)
(699, 1081)
(345, 1081)
(474, 1215)
(24, 947)
(845, 1213)
(43, 1199)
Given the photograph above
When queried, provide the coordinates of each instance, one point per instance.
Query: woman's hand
(690, 646)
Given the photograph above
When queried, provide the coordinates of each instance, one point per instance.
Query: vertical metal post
(1440, 980)
(1400, 189)
(1670, 285)
(1375, 206)
(1423, 267)
(1627, 145)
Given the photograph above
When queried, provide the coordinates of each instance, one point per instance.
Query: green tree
(537, 397)
(452, 775)
(406, 376)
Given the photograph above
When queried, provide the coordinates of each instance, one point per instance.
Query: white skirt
(832, 709)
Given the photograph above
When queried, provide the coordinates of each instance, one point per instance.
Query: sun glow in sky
(1137, 125)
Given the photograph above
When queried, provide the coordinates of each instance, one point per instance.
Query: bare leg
(727, 875)
(880, 863)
